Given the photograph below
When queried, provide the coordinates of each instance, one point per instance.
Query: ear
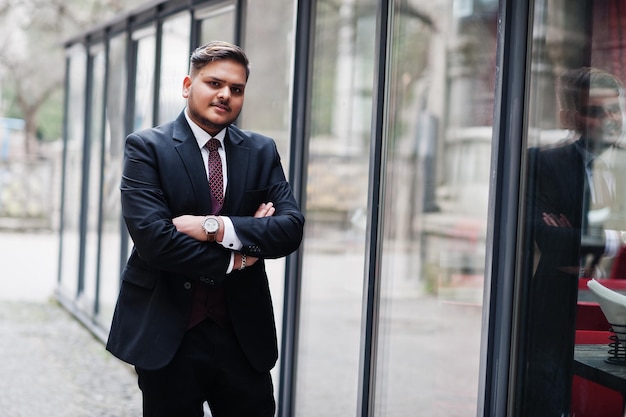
(186, 86)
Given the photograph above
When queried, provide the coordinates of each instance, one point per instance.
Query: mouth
(221, 106)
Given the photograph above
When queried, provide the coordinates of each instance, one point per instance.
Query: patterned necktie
(216, 180)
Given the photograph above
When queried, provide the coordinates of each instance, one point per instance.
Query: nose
(224, 93)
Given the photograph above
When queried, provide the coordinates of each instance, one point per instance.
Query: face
(215, 94)
(600, 117)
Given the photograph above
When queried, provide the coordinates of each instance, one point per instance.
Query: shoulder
(559, 153)
(249, 138)
(161, 130)
(165, 134)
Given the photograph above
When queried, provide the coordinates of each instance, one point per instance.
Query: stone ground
(50, 365)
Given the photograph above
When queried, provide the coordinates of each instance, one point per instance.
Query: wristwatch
(211, 226)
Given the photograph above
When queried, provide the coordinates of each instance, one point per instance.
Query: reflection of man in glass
(577, 209)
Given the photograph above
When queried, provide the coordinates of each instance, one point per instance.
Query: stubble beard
(207, 124)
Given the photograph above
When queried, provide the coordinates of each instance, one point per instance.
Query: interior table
(590, 362)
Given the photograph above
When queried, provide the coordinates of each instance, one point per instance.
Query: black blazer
(560, 184)
(164, 177)
(556, 184)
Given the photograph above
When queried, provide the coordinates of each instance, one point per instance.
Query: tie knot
(213, 145)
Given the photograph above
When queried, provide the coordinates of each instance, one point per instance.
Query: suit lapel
(237, 155)
(187, 148)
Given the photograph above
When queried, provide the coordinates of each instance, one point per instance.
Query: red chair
(590, 399)
(589, 316)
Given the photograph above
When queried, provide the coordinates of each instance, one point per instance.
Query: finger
(260, 211)
(269, 209)
(549, 219)
(264, 210)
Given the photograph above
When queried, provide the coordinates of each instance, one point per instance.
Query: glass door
(575, 211)
(336, 209)
(436, 186)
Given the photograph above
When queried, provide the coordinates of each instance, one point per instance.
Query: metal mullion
(156, 87)
(497, 379)
(66, 100)
(378, 152)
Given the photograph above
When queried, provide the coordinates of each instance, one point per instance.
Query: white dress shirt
(231, 240)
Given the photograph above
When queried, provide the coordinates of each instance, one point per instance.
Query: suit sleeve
(558, 191)
(147, 214)
(280, 234)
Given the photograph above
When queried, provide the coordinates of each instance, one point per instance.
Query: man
(194, 314)
(576, 221)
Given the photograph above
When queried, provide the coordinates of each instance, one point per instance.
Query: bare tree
(32, 59)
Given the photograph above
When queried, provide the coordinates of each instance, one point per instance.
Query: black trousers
(209, 366)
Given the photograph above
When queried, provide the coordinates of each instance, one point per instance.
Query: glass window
(111, 233)
(268, 101)
(218, 22)
(267, 107)
(70, 215)
(145, 44)
(435, 207)
(575, 209)
(337, 188)
(92, 176)
(174, 65)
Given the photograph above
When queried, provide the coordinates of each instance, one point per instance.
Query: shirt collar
(607, 156)
(202, 137)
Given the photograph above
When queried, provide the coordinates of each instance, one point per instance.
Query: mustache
(221, 103)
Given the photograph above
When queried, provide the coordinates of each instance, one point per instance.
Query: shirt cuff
(231, 240)
(231, 263)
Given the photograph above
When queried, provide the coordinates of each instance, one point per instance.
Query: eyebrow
(225, 82)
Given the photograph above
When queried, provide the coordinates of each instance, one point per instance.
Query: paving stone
(52, 366)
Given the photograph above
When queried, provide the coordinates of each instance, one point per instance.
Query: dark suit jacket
(164, 177)
(556, 185)
(560, 184)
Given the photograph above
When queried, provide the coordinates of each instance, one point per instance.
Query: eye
(237, 90)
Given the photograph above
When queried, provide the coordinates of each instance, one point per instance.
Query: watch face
(211, 225)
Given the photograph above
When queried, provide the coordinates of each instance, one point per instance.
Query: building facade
(404, 127)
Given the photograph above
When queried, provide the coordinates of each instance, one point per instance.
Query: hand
(553, 220)
(265, 210)
(191, 226)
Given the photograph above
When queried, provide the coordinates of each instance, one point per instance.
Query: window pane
(576, 213)
(436, 191)
(145, 43)
(174, 66)
(266, 109)
(73, 170)
(334, 246)
(218, 22)
(93, 176)
(111, 234)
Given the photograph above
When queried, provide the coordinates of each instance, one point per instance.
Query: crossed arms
(191, 226)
